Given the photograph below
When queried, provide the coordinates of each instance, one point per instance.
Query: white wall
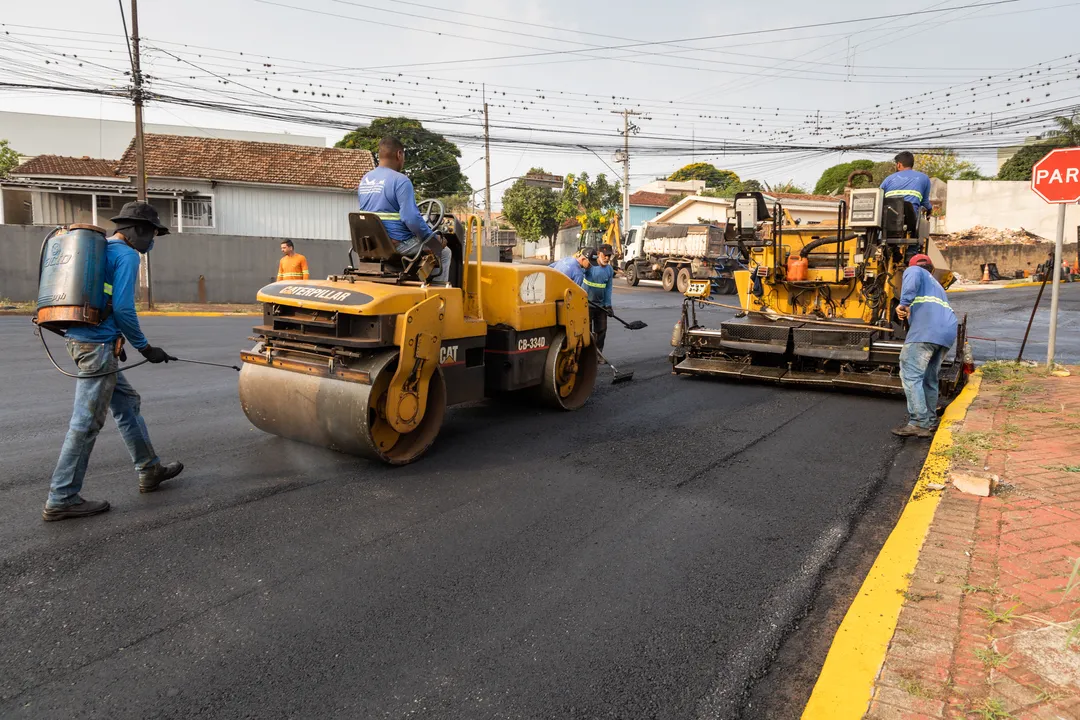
(718, 211)
(32, 134)
(1004, 204)
(282, 212)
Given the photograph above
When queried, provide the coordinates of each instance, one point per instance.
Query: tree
(533, 211)
(789, 187)
(593, 204)
(1018, 167)
(431, 161)
(834, 179)
(9, 159)
(1068, 132)
(713, 176)
(730, 190)
(945, 164)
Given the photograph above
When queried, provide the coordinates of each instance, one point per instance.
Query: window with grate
(198, 211)
(104, 202)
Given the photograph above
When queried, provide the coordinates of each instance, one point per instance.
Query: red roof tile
(178, 156)
(67, 166)
(651, 199)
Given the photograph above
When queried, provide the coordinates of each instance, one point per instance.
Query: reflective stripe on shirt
(108, 289)
(387, 216)
(595, 285)
(930, 299)
(913, 193)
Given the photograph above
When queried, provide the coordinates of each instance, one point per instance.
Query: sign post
(1056, 179)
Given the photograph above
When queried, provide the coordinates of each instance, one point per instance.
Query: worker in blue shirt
(931, 332)
(909, 184)
(574, 267)
(97, 351)
(598, 281)
(390, 195)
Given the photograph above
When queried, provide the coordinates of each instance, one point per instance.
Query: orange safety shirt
(292, 267)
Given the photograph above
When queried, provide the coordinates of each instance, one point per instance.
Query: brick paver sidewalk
(991, 622)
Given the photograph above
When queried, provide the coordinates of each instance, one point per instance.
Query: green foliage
(1068, 131)
(431, 161)
(592, 203)
(945, 164)
(713, 176)
(789, 187)
(1018, 167)
(834, 179)
(9, 159)
(730, 190)
(456, 204)
(533, 211)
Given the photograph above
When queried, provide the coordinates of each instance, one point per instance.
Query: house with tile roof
(645, 205)
(804, 209)
(203, 185)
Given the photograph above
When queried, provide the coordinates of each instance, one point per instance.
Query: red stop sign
(1056, 178)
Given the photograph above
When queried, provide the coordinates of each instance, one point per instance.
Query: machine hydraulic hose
(814, 244)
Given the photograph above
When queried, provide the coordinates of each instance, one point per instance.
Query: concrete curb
(845, 684)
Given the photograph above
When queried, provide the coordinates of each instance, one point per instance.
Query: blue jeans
(93, 397)
(920, 364)
(410, 247)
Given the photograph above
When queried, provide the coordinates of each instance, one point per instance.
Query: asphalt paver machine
(817, 301)
(367, 361)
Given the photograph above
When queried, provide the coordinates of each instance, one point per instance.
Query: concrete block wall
(228, 268)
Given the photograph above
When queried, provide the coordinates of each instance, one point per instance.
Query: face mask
(141, 237)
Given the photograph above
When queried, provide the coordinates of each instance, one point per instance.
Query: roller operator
(909, 184)
(386, 192)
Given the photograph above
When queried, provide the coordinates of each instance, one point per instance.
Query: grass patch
(992, 709)
(966, 445)
(990, 658)
(1064, 468)
(996, 617)
(916, 689)
(911, 596)
(1044, 409)
(999, 371)
(992, 590)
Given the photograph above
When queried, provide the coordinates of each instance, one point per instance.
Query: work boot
(83, 508)
(151, 478)
(910, 430)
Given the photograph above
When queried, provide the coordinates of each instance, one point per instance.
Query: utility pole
(145, 276)
(626, 113)
(1058, 245)
(487, 171)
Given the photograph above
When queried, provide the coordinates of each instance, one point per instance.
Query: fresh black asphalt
(642, 557)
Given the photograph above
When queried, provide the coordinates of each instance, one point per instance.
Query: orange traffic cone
(986, 272)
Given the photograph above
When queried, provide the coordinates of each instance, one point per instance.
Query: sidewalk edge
(845, 684)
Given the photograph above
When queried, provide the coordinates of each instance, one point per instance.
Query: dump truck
(676, 253)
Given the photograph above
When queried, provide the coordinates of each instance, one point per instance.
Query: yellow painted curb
(969, 288)
(846, 683)
(167, 313)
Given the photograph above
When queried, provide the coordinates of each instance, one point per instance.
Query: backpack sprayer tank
(71, 278)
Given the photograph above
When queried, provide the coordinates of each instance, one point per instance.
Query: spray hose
(117, 371)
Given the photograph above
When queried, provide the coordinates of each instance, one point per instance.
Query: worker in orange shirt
(293, 265)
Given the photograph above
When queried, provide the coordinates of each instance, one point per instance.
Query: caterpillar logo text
(316, 292)
(448, 355)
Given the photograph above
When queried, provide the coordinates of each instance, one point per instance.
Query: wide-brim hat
(142, 212)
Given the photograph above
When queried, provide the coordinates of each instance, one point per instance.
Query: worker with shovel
(598, 281)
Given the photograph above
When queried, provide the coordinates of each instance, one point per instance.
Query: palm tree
(1068, 132)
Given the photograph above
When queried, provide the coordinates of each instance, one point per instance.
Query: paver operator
(293, 265)
(574, 266)
(909, 184)
(390, 195)
(932, 331)
(598, 281)
(98, 349)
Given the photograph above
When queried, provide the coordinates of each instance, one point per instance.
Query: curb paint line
(845, 684)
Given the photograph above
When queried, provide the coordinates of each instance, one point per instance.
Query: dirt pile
(982, 235)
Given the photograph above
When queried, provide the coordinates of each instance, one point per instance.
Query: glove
(610, 311)
(155, 354)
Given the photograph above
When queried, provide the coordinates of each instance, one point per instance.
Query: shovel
(617, 377)
(635, 325)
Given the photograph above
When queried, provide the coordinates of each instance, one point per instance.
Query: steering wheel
(433, 214)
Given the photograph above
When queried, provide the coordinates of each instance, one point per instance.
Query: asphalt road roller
(817, 302)
(366, 362)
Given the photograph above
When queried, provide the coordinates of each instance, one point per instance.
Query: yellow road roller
(366, 362)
